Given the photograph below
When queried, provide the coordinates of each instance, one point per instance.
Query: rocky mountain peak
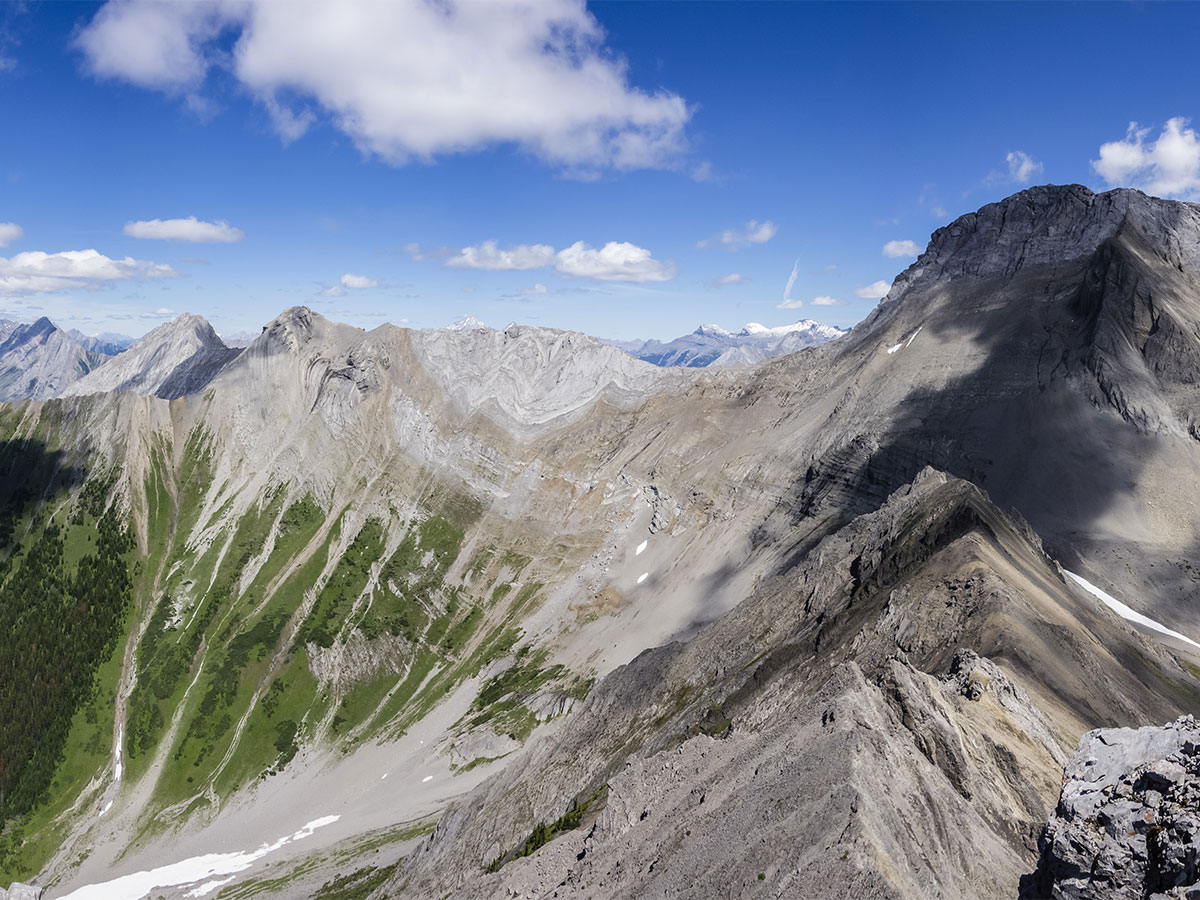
(176, 358)
(288, 331)
(1051, 224)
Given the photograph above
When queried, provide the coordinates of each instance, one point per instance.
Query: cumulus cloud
(332, 290)
(10, 232)
(406, 80)
(35, 272)
(161, 313)
(827, 301)
(755, 232)
(190, 230)
(615, 261)
(1168, 166)
(1022, 167)
(731, 278)
(901, 249)
(873, 291)
(350, 280)
(790, 303)
(489, 256)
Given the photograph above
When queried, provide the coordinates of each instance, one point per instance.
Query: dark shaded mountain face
(615, 625)
(40, 360)
(1046, 348)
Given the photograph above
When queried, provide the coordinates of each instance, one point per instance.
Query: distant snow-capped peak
(467, 323)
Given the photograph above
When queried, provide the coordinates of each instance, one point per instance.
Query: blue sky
(625, 169)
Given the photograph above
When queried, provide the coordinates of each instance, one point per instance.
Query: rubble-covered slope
(888, 717)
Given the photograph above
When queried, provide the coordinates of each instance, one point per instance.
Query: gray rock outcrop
(1127, 825)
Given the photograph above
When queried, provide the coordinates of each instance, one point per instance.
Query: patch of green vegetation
(384, 837)
(358, 885)
(274, 887)
(477, 762)
(528, 591)
(65, 594)
(499, 703)
(543, 834)
(345, 585)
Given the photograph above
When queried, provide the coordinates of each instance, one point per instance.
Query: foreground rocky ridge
(889, 718)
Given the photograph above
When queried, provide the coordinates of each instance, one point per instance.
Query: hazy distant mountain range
(711, 345)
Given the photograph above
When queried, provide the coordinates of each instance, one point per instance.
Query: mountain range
(711, 345)
(483, 613)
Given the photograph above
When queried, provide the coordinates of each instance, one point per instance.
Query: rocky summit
(511, 613)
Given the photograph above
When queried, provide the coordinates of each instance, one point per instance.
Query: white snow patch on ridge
(641, 548)
(1125, 612)
(189, 871)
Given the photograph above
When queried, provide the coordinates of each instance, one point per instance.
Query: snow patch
(189, 871)
(118, 763)
(914, 335)
(1125, 612)
(641, 548)
(893, 349)
(208, 887)
(643, 577)
(426, 778)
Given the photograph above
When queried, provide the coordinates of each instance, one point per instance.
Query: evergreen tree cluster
(57, 624)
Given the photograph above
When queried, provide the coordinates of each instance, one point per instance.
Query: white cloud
(786, 302)
(332, 290)
(755, 232)
(873, 291)
(10, 232)
(489, 256)
(731, 278)
(901, 249)
(538, 288)
(36, 272)
(940, 212)
(161, 313)
(407, 80)
(190, 230)
(7, 63)
(615, 261)
(1168, 166)
(827, 301)
(358, 281)
(1022, 167)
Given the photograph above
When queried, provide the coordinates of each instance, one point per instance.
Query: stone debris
(1127, 823)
